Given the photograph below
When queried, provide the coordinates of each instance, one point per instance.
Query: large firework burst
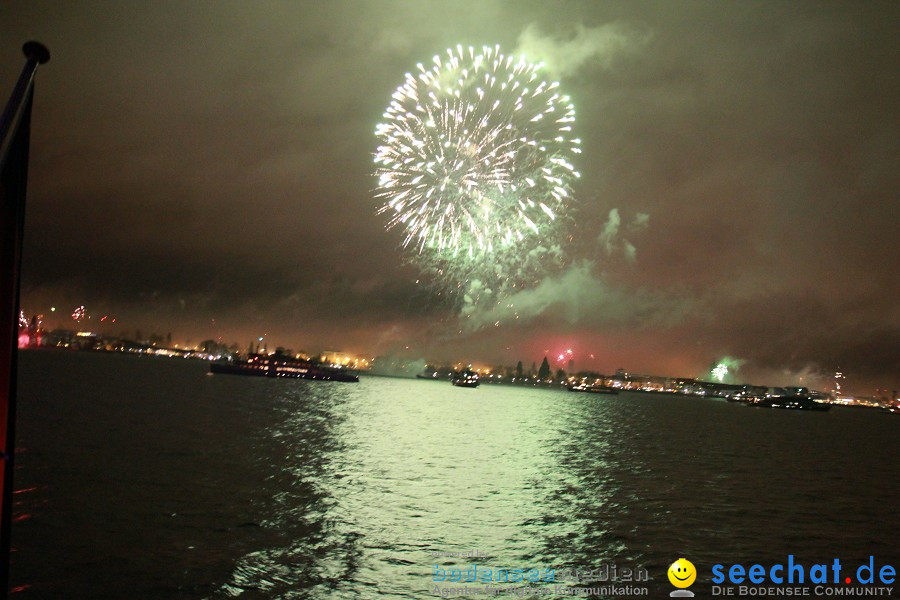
(474, 165)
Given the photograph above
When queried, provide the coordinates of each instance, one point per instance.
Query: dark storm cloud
(200, 161)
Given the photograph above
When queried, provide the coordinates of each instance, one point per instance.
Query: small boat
(433, 376)
(593, 389)
(279, 365)
(465, 378)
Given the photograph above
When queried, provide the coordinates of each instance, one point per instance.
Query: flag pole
(15, 134)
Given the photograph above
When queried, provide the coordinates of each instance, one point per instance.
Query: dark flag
(15, 133)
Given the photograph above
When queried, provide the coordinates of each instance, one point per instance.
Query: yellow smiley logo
(682, 573)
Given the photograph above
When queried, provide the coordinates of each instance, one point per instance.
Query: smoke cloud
(397, 366)
(610, 231)
(565, 54)
(610, 240)
(811, 376)
(579, 295)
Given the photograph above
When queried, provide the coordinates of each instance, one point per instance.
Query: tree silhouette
(544, 371)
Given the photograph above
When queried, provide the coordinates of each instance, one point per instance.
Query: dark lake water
(149, 478)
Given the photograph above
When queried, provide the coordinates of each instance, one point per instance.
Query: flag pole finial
(37, 51)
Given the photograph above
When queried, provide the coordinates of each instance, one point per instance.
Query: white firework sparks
(474, 162)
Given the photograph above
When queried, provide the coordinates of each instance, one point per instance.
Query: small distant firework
(23, 322)
(474, 166)
(568, 354)
(79, 314)
(720, 372)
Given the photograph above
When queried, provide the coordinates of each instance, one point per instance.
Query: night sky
(205, 169)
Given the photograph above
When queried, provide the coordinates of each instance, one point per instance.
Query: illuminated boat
(263, 365)
(792, 399)
(465, 379)
(593, 389)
